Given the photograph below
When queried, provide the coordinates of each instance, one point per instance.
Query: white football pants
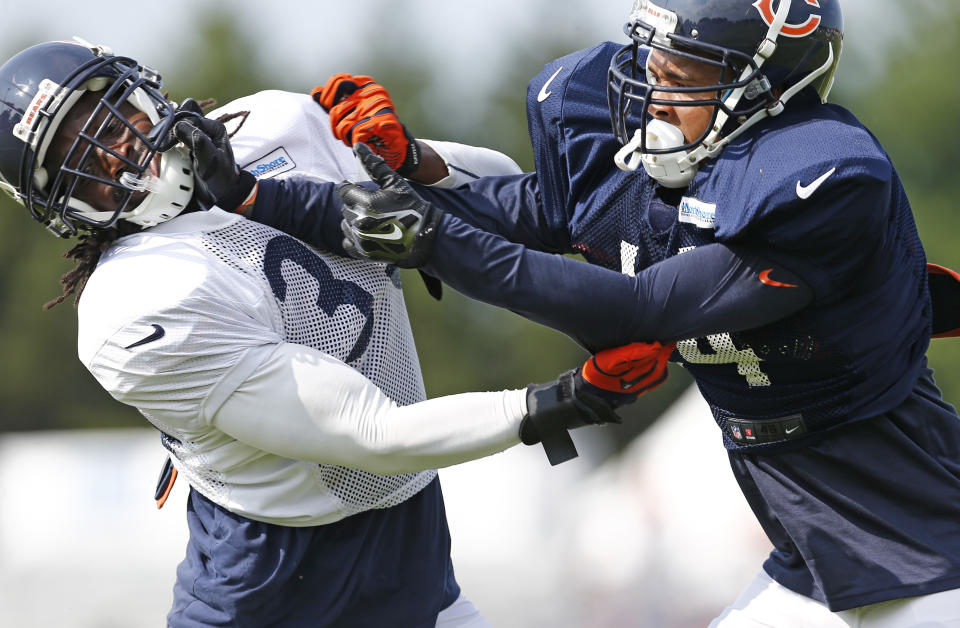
(767, 604)
(461, 614)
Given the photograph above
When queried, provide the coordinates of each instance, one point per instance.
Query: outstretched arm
(710, 289)
(308, 210)
(349, 421)
(707, 290)
(504, 205)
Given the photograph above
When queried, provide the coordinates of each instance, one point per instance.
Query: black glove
(390, 224)
(219, 181)
(555, 408)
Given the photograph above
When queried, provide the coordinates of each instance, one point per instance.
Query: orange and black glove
(361, 111)
(589, 394)
(622, 374)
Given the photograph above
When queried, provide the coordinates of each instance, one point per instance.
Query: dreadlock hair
(227, 117)
(90, 246)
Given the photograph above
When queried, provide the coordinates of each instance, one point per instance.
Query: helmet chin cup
(669, 169)
(169, 193)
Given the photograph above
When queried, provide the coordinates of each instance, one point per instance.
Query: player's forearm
(303, 404)
(509, 206)
(588, 303)
(447, 430)
(704, 291)
(432, 167)
(306, 209)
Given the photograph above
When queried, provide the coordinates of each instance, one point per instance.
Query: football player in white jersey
(284, 381)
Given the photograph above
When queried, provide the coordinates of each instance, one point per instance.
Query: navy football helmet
(38, 88)
(767, 51)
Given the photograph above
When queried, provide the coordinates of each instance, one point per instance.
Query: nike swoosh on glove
(390, 223)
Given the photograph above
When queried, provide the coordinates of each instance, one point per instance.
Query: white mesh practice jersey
(177, 317)
(279, 134)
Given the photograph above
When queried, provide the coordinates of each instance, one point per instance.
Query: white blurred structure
(659, 537)
(82, 544)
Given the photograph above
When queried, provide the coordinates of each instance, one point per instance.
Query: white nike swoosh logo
(396, 234)
(792, 429)
(544, 94)
(804, 191)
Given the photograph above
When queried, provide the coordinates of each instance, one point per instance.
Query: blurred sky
(297, 35)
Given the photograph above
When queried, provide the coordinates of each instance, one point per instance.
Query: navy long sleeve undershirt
(710, 289)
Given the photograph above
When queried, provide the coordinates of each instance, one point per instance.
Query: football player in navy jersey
(284, 382)
(761, 233)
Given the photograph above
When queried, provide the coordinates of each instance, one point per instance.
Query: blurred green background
(456, 71)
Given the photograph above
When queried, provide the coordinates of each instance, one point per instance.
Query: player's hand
(622, 374)
(219, 181)
(562, 405)
(361, 111)
(390, 223)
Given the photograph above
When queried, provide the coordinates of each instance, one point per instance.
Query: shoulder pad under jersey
(800, 167)
(569, 124)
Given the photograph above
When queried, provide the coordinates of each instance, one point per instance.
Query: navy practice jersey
(810, 191)
(807, 335)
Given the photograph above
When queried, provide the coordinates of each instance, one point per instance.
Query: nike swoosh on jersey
(805, 191)
(158, 333)
(396, 234)
(544, 94)
(765, 278)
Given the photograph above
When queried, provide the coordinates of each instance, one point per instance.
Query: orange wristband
(249, 201)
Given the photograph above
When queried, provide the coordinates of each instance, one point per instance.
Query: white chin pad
(663, 135)
(670, 170)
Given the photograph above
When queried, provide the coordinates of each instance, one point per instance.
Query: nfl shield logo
(735, 430)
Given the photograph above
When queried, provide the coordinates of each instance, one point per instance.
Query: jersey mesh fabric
(644, 219)
(193, 460)
(383, 351)
(263, 286)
